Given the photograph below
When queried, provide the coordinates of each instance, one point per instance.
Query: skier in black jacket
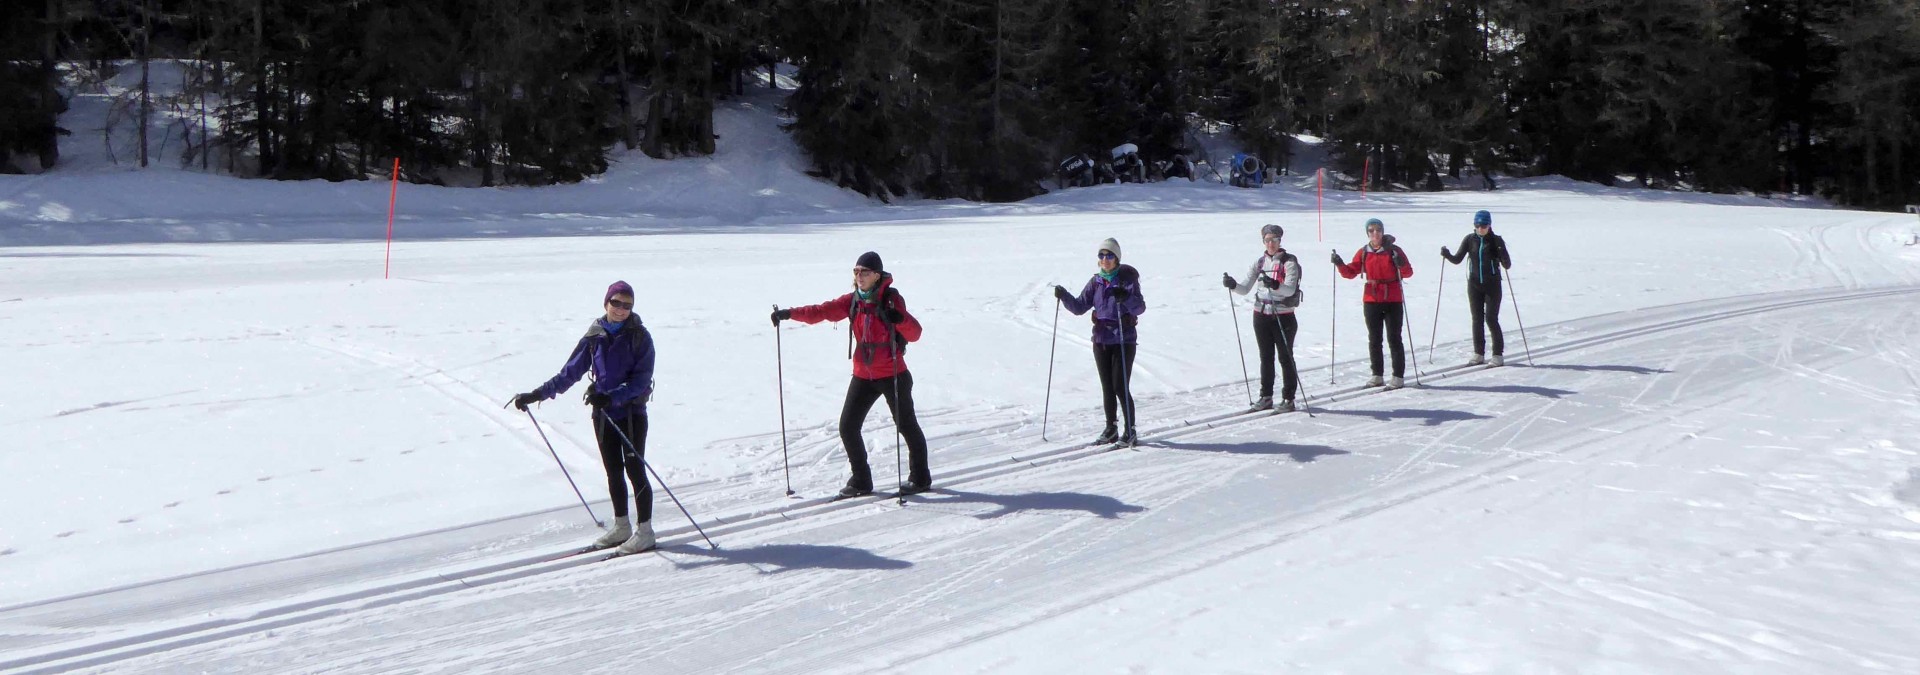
(1488, 254)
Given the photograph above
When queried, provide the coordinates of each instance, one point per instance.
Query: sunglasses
(863, 271)
(1106, 255)
(620, 304)
(1275, 240)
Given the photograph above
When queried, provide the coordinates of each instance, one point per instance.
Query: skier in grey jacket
(1274, 280)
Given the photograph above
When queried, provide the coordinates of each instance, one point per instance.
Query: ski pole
(1516, 317)
(634, 455)
(1051, 348)
(1333, 325)
(563, 467)
(894, 342)
(1298, 381)
(1244, 377)
(1126, 387)
(1437, 295)
(780, 382)
(1406, 317)
(1413, 350)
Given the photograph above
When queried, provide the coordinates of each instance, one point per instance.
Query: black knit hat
(869, 260)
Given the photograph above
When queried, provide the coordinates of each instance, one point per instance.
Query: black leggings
(861, 395)
(1385, 318)
(1116, 379)
(1267, 332)
(613, 454)
(1485, 301)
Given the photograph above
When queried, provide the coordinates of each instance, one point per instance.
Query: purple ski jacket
(1109, 314)
(621, 363)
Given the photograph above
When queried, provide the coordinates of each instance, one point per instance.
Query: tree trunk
(626, 101)
(261, 105)
(146, 75)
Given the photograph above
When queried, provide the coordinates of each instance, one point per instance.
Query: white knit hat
(1113, 246)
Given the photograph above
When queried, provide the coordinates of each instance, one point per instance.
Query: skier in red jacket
(1384, 265)
(878, 341)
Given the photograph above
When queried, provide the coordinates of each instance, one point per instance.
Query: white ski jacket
(1284, 268)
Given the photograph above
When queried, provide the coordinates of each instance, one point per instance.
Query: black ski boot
(1129, 439)
(914, 487)
(1110, 435)
(856, 488)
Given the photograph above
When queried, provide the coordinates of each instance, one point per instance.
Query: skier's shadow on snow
(1098, 505)
(1300, 453)
(787, 557)
(1431, 418)
(1637, 370)
(1548, 392)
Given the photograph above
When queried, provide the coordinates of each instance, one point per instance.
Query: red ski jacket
(874, 356)
(1382, 272)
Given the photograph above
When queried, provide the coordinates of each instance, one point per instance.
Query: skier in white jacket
(1274, 280)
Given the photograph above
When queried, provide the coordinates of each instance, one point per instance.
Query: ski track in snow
(960, 594)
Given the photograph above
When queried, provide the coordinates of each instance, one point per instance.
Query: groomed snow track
(64, 633)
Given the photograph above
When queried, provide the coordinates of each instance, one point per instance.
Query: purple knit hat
(618, 288)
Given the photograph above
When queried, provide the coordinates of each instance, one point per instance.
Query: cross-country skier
(1113, 294)
(1384, 265)
(878, 339)
(619, 352)
(1275, 282)
(1488, 254)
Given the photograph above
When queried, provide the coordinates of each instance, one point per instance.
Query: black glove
(780, 315)
(1060, 293)
(521, 401)
(1444, 253)
(1269, 282)
(598, 399)
(1337, 260)
(1119, 294)
(1227, 281)
(891, 316)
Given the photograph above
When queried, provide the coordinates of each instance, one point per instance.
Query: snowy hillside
(260, 456)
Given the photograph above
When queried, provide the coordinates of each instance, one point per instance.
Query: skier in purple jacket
(1113, 294)
(618, 351)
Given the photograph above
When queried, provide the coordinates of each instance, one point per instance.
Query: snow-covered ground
(260, 456)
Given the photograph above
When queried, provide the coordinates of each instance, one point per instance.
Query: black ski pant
(1384, 319)
(1484, 299)
(615, 456)
(861, 395)
(1274, 334)
(1116, 378)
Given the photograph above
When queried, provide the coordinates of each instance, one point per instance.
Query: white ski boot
(616, 533)
(1374, 381)
(1264, 403)
(642, 539)
(1285, 406)
(1497, 361)
(1478, 360)
(1396, 383)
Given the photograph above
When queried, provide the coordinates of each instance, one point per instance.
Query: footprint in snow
(263, 479)
(128, 520)
(170, 505)
(225, 492)
(66, 534)
(7, 552)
